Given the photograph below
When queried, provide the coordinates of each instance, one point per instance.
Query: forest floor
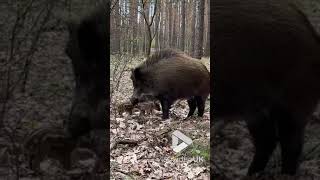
(140, 144)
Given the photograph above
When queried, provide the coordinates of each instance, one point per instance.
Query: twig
(124, 172)
(126, 141)
(312, 150)
(115, 144)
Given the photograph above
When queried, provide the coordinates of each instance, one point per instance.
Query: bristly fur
(161, 55)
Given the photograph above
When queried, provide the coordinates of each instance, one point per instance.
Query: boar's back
(175, 73)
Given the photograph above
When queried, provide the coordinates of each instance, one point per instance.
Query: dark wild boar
(266, 68)
(169, 75)
(87, 48)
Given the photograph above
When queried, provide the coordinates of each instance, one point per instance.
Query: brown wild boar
(169, 75)
(266, 68)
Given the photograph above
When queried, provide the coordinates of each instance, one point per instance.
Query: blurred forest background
(139, 27)
(36, 78)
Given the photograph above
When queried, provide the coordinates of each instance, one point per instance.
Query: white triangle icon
(176, 136)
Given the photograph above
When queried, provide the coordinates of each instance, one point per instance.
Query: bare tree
(174, 15)
(183, 24)
(193, 27)
(207, 46)
(149, 23)
(159, 32)
(170, 4)
(116, 33)
(163, 27)
(199, 41)
(133, 24)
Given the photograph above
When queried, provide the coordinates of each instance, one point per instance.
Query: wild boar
(266, 68)
(169, 75)
(87, 48)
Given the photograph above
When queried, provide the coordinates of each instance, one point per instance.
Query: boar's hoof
(165, 116)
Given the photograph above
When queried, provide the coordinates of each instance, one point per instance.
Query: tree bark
(199, 45)
(170, 23)
(183, 24)
(193, 26)
(207, 40)
(134, 17)
(174, 35)
(117, 32)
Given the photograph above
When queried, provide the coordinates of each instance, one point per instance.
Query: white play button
(176, 136)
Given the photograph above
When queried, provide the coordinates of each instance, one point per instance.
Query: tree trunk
(207, 49)
(139, 40)
(170, 23)
(144, 37)
(117, 32)
(199, 45)
(167, 32)
(183, 24)
(174, 36)
(177, 15)
(157, 27)
(146, 42)
(193, 26)
(134, 17)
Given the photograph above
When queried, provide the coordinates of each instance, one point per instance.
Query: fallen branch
(126, 141)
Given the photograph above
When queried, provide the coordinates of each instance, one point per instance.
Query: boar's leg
(192, 106)
(201, 104)
(165, 104)
(291, 148)
(78, 123)
(263, 132)
(291, 141)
